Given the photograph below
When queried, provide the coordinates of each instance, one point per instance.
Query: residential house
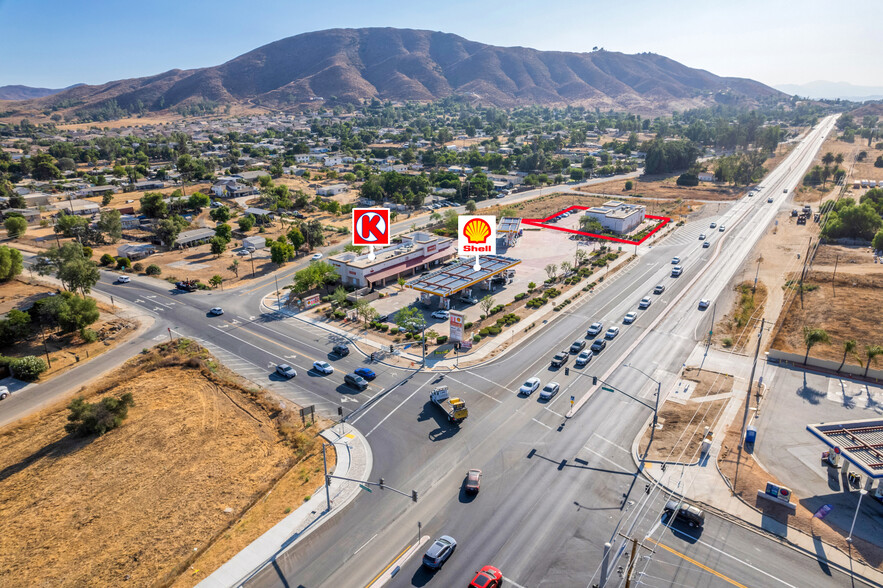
(149, 185)
(332, 189)
(706, 177)
(134, 251)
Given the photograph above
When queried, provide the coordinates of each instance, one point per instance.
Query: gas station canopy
(860, 443)
(454, 278)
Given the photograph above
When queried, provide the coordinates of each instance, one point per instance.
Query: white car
(549, 390)
(4, 392)
(629, 318)
(441, 314)
(703, 304)
(217, 311)
(529, 386)
(124, 279)
(702, 237)
(675, 260)
(594, 329)
(645, 303)
(584, 357)
(323, 367)
(316, 257)
(611, 333)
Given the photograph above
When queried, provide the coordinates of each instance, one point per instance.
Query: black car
(560, 358)
(693, 516)
(577, 346)
(357, 382)
(599, 345)
(341, 350)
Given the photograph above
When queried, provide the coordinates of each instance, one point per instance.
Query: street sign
(363, 487)
(606, 389)
(572, 398)
(371, 226)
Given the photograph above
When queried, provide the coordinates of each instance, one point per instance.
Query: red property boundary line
(664, 220)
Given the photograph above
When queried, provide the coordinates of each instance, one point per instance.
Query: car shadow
(348, 390)
(466, 497)
(274, 377)
(682, 530)
(422, 576)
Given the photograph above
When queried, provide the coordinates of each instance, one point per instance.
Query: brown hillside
(404, 64)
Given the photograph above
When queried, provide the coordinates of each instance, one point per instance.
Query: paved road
(554, 489)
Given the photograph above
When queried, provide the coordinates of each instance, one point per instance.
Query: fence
(855, 370)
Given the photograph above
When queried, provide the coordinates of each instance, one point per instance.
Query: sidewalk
(703, 482)
(354, 460)
(402, 358)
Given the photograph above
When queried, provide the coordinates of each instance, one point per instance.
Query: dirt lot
(65, 350)
(544, 206)
(746, 477)
(733, 328)
(141, 503)
(681, 423)
(848, 308)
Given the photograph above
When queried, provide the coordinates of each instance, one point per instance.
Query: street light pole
(658, 392)
(861, 494)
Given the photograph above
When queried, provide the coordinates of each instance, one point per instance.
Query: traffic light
(594, 380)
(414, 495)
(381, 483)
(390, 348)
(339, 411)
(567, 371)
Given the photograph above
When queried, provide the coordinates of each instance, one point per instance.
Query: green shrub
(441, 339)
(494, 330)
(521, 296)
(384, 328)
(727, 342)
(339, 314)
(123, 263)
(497, 309)
(27, 368)
(138, 267)
(153, 270)
(107, 259)
(408, 335)
(483, 332)
(476, 338)
(97, 418)
(467, 326)
(88, 335)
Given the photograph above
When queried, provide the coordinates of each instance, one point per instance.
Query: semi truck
(455, 408)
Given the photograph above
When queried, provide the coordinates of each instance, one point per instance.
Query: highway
(554, 489)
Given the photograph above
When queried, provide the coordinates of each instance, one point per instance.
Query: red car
(487, 577)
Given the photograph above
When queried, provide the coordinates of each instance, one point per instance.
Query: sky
(56, 43)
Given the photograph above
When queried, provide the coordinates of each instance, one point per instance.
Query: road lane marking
(364, 544)
(541, 423)
(743, 562)
(389, 565)
(513, 582)
(697, 564)
(475, 389)
(608, 460)
(393, 410)
(611, 442)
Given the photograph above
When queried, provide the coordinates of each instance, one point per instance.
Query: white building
(705, 177)
(418, 251)
(332, 190)
(617, 216)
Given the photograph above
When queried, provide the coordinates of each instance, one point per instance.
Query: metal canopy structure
(508, 229)
(860, 443)
(452, 279)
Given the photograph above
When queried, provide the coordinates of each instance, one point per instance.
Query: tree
(220, 214)
(848, 349)
(76, 313)
(401, 281)
(70, 225)
(15, 328)
(580, 255)
(629, 185)
(27, 368)
(224, 231)
(16, 226)
(153, 270)
(97, 418)
(590, 225)
(471, 206)
(280, 253)
(218, 245)
(246, 223)
(551, 270)
(153, 205)
(338, 297)
(566, 267)
(10, 263)
(111, 225)
(106, 198)
(167, 232)
(871, 352)
(813, 336)
(198, 201)
(486, 304)
(296, 238)
(313, 235)
(234, 267)
(107, 260)
(877, 242)
(409, 318)
(365, 310)
(124, 263)
(216, 281)
(828, 158)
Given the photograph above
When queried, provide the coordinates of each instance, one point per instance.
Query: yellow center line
(389, 565)
(268, 282)
(696, 563)
(240, 327)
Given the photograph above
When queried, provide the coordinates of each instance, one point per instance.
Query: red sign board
(371, 226)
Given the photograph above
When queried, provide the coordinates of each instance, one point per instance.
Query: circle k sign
(371, 226)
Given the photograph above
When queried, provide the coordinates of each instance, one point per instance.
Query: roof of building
(194, 235)
(509, 224)
(457, 277)
(418, 238)
(860, 443)
(258, 211)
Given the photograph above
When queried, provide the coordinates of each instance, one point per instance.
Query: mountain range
(352, 65)
(28, 92)
(822, 89)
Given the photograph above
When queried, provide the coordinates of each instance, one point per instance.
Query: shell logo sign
(477, 235)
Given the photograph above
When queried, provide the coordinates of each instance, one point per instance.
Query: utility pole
(803, 272)
(275, 279)
(750, 383)
(711, 329)
(756, 274)
(834, 276)
(327, 479)
(252, 263)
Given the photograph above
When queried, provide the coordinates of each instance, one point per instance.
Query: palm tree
(813, 336)
(828, 158)
(848, 348)
(871, 352)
